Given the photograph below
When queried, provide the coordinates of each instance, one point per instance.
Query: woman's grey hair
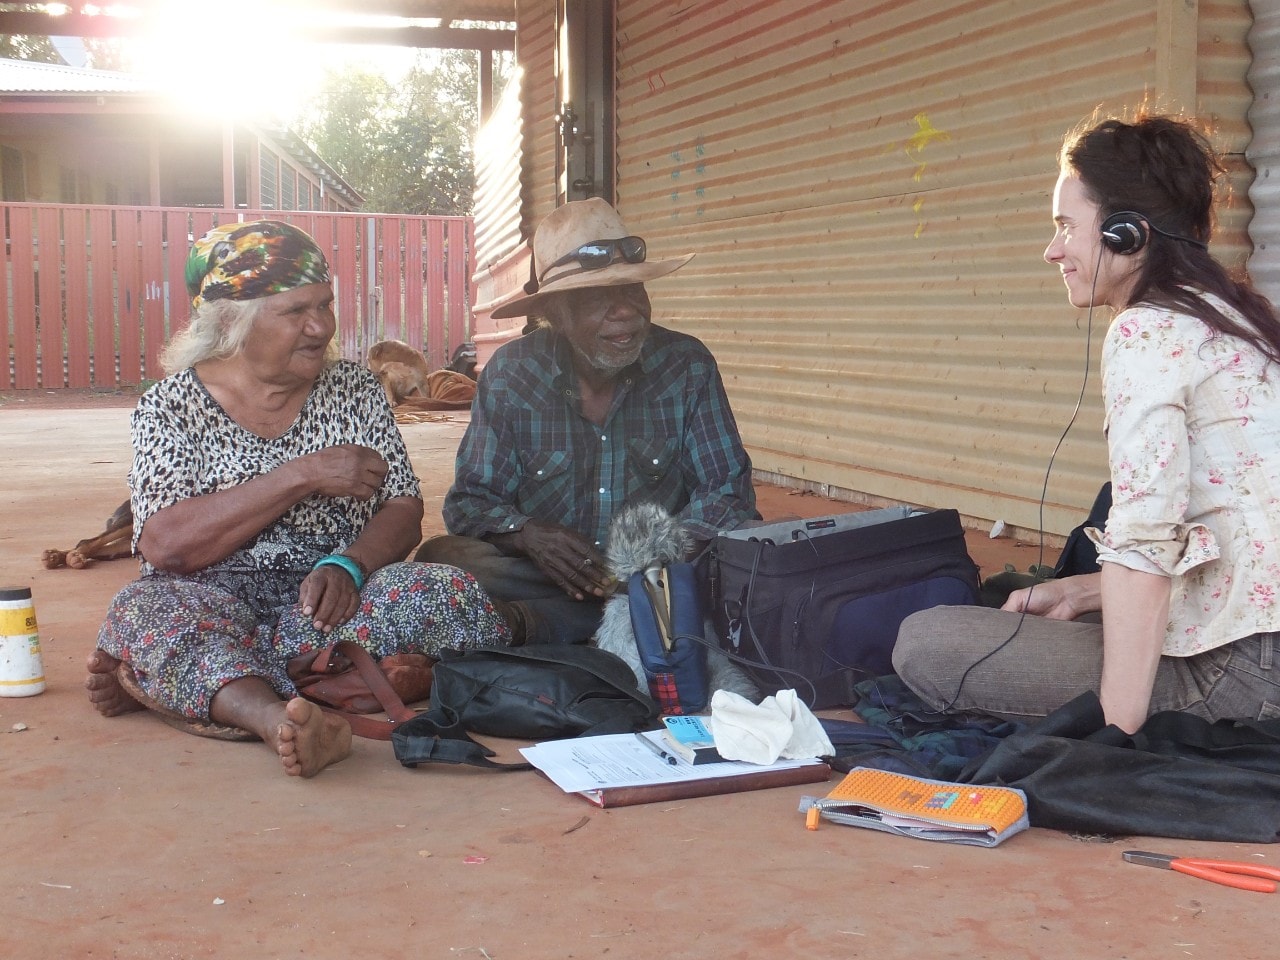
(218, 330)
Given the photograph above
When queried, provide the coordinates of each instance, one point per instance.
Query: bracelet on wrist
(346, 563)
(364, 571)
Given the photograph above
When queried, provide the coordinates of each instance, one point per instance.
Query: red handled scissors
(1230, 873)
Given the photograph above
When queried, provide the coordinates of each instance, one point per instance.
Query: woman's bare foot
(309, 739)
(105, 692)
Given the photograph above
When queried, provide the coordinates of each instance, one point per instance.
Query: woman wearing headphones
(1189, 592)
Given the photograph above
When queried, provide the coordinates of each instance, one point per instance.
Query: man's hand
(567, 558)
(329, 597)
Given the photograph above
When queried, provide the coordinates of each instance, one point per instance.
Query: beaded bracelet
(346, 563)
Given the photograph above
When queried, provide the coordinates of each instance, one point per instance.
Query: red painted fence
(94, 292)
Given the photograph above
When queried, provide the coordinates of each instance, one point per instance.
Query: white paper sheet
(619, 760)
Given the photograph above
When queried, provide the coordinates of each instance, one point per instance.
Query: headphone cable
(1044, 492)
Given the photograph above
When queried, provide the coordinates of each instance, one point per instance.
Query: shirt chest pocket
(546, 481)
(652, 459)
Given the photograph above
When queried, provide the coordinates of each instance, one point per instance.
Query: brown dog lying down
(113, 543)
(403, 373)
(446, 390)
(400, 369)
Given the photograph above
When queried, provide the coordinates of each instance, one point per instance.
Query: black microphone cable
(1044, 492)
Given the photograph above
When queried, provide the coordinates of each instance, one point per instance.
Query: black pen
(657, 749)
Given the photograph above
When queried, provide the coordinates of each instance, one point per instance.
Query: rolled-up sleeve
(1149, 367)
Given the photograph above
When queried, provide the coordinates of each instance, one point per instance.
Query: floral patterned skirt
(186, 640)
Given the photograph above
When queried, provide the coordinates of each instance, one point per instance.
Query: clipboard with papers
(615, 770)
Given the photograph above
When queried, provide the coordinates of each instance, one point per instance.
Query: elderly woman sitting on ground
(273, 503)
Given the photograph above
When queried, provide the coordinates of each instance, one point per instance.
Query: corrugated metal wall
(867, 186)
(498, 159)
(536, 49)
(1264, 148)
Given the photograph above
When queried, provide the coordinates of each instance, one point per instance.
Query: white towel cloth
(778, 726)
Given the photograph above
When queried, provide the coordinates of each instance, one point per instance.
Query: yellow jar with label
(21, 668)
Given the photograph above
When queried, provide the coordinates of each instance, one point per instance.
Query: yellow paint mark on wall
(925, 134)
(914, 147)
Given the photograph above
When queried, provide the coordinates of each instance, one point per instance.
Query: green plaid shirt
(669, 438)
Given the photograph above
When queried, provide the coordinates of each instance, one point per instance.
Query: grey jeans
(557, 617)
(981, 660)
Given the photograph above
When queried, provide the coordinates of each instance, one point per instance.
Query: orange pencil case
(916, 807)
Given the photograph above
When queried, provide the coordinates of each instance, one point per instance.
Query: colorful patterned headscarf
(245, 261)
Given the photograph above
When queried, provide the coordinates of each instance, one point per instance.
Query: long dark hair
(1165, 169)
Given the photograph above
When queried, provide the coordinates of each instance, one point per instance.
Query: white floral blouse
(1193, 428)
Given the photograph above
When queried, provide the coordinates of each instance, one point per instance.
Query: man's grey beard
(609, 364)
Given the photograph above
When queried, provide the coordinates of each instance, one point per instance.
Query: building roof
(439, 24)
(29, 76)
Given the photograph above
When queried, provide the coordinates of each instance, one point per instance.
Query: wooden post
(229, 165)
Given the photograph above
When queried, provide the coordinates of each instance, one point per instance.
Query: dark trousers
(557, 617)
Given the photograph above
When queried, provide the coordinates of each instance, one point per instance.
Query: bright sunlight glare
(216, 67)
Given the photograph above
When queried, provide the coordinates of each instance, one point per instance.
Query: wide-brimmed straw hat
(558, 267)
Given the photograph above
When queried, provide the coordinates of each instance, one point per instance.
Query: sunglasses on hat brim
(599, 254)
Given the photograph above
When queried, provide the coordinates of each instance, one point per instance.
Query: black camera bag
(816, 604)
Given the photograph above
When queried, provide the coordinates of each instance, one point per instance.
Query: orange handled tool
(1230, 873)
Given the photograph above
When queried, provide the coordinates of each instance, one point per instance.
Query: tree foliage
(110, 53)
(405, 146)
(100, 53)
(16, 46)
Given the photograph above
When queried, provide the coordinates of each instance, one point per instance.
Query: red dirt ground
(125, 838)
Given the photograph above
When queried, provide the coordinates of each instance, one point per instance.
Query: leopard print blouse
(185, 445)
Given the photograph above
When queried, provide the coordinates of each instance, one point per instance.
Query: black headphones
(1125, 233)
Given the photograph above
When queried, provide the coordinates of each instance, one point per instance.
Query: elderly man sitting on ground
(594, 410)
